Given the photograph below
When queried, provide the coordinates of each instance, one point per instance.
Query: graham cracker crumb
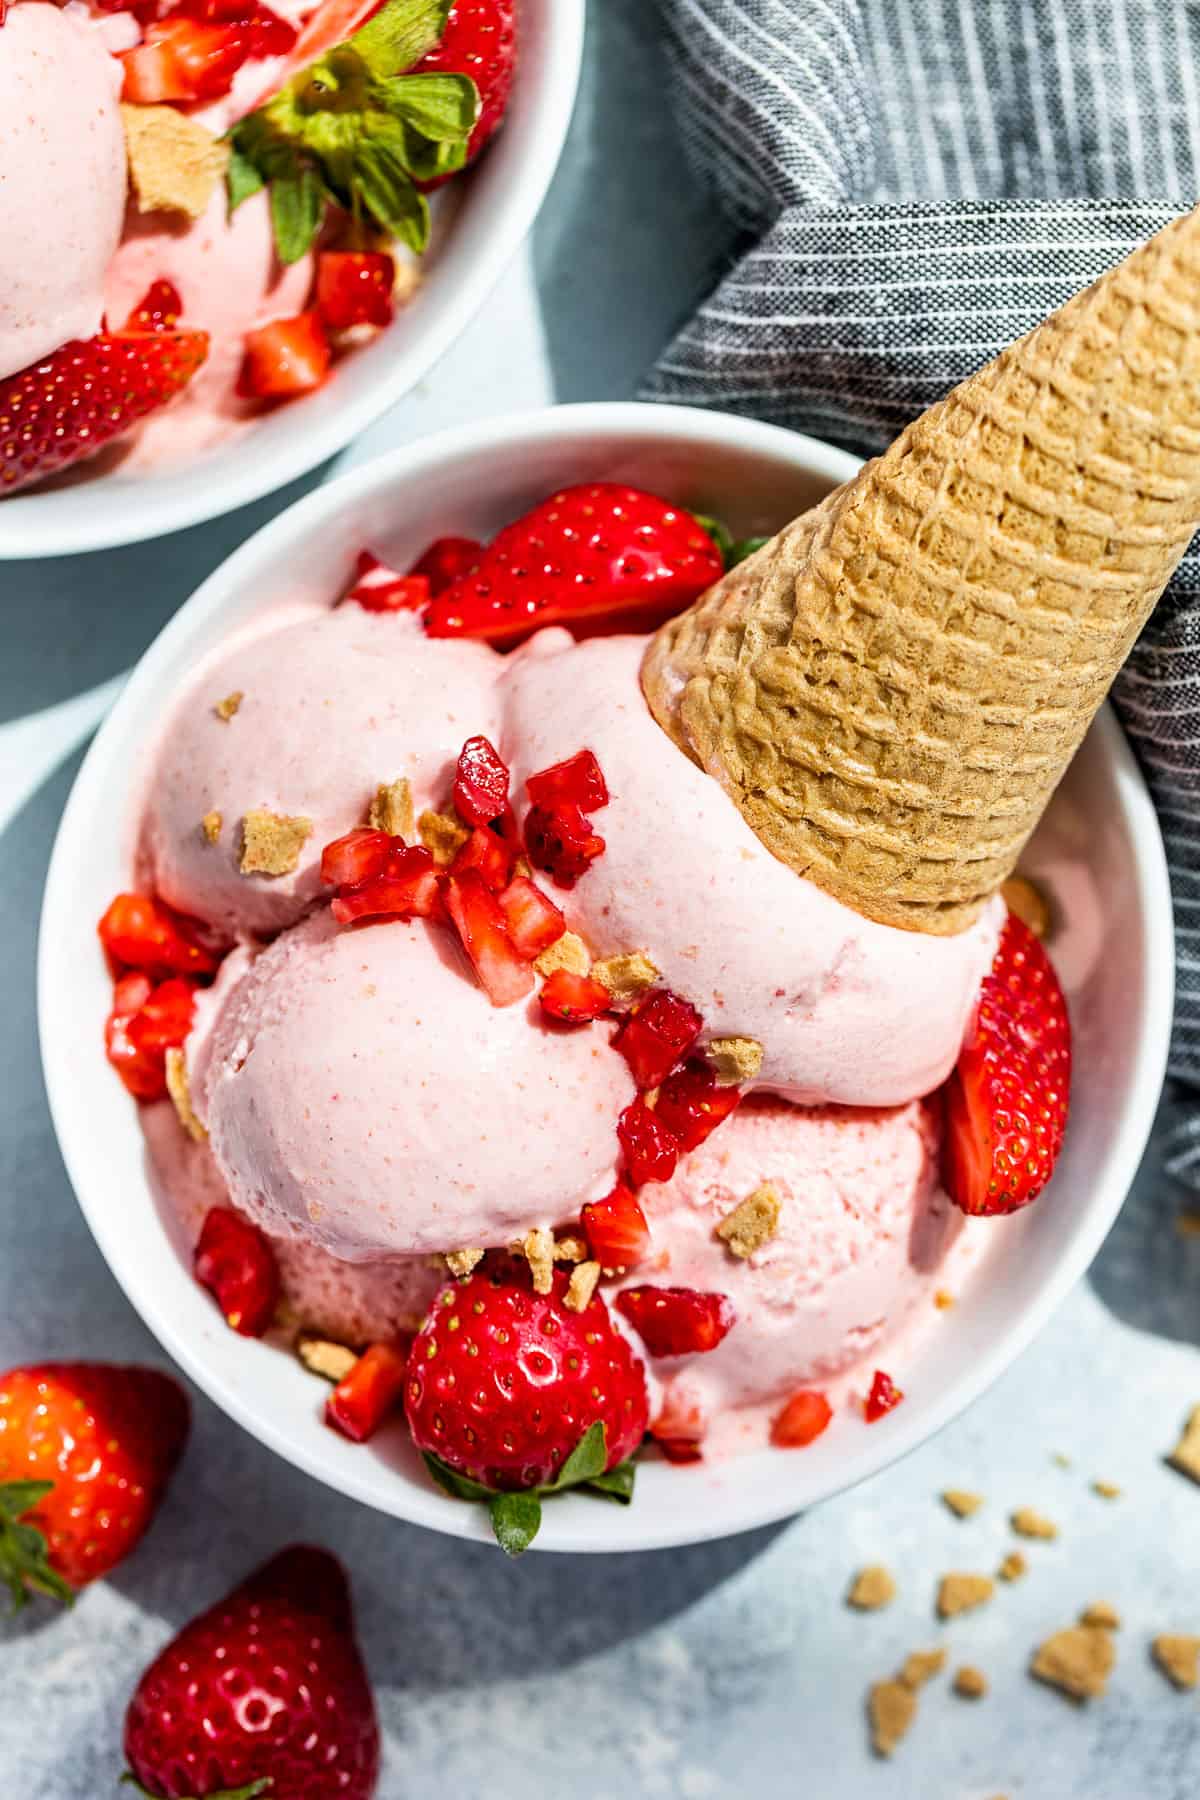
(943, 1300)
(1013, 1567)
(961, 1503)
(1186, 1455)
(1187, 1224)
(567, 952)
(408, 280)
(871, 1589)
(921, 1666)
(963, 1593)
(570, 1248)
(1029, 903)
(1077, 1661)
(181, 1094)
(1100, 1614)
(625, 976)
(970, 1683)
(443, 835)
(461, 1262)
(1178, 1658)
(392, 808)
(752, 1223)
(537, 1247)
(581, 1286)
(1107, 1490)
(891, 1709)
(226, 708)
(272, 842)
(174, 162)
(1060, 1460)
(323, 1357)
(735, 1059)
(1029, 1523)
(210, 825)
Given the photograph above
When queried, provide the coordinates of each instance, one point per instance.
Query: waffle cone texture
(892, 688)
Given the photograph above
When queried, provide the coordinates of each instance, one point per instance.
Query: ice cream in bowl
(634, 967)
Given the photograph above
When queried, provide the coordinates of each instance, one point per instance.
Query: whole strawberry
(1006, 1101)
(86, 1451)
(597, 558)
(480, 40)
(266, 1687)
(512, 1394)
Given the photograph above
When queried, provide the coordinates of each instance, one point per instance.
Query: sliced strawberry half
(674, 1321)
(284, 358)
(447, 560)
(377, 588)
(1006, 1101)
(503, 973)
(616, 1229)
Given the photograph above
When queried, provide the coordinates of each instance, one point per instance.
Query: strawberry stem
(250, 1792)
(24, 1553)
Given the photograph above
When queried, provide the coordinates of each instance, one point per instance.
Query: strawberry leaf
(516, 1516)
(243, 178)
(615, 1484)
(251, 1791)
(24, 1553)
(515, 1520)
(585, 1463)
(401, 33)
(459, 1487)
(297, 209)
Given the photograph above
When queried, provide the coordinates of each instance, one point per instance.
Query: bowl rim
(59, 533)
(739, 1510)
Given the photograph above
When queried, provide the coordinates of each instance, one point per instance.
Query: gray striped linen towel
(911, 184)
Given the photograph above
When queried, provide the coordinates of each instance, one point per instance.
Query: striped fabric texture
(910, 185)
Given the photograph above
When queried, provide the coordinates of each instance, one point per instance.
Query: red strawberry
(480, 40)
(679, 1429)
(577, 782)
(354, 287)
(86, 1451)
(267, 1687)
(447, 560)
(141, 933)
(675, 1321)
(157, 310)
(362, 1400)
(692, 1103)
(234, 1261)
(656, 1035)
(1006, 1102)
(802, 1420)
(407, 887)
(183, 58)
(146, 1022)
(504, 975)
(883, 1396)
(576, 999)
(359, 856)
(377, 588)
(596, 558)
(286, 357)
(164, 1019)
(651, 1148)
(480, 783)
(511, 1391)
(79, 398)
(616, 1229)
(533, 920)
(487, 853)
(562, 842)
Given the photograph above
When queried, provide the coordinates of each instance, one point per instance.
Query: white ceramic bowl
(1098, 849)
(494, 208)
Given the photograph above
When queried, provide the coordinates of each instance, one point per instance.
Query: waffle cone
(893, 686)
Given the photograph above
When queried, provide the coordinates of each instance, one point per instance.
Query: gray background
(728, 1669)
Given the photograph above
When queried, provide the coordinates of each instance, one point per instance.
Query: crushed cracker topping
(871, 1589)
(961, 1503)
(1178, 1657)
(625, 976)
(959, 1593)
(570, 1248)
(175, 163)
(537, 1247)
(1030, 904)
(970, 1683)
(582, 1285)
(735, 1059)
(443, 835)
(1186, 1455)
(921, 1666)
(461, 1262)
(324, 1357)
(943, 1300)
(1107, 1490)
(1077, 1661)
(392, 808)
(567, 952)
(1102, 1615)
(181, 1095)
(1013, 1567)
(226, 708)
(210, 825)
(891, 1709)
(1187, 1224)
(1029, 1523)
(272, 842)
(752, 1223)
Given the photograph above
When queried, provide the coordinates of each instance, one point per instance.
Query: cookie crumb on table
(1030, 1523)
(1077, 1661)
(1186, 1455)
(226, 708)
(970, 1683)
(1178, 1657)
(921, 1666)
(392, 808)
(872, 1588)
(752, 1223)
(272, 842)
(959, 1593)
(891, 1708)
(961, 1503)
(1013, 1567)
(1100, 1613)
(1107, 1490)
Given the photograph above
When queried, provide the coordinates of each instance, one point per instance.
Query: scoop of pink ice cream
(62, 180)
(333, 704)
(845, 1009)
(361, 1091)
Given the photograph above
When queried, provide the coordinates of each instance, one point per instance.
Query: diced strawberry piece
(141, 933)
(533, 920)
(576, 999)
(183, 59)
(266, 33)
(354, 287)
(130, 994)
(359, 856)
(446, 560)
(164, 1019)
(1007, 1098)
(362, 1400)
(679, 1429)
(269, 34)
(678, 1450)
(286, 357)
(407, 888)
(503, 974)
(656, 1035)
(377, 588)
(562, 842)
(693, 1103)
(576, 782)
(234, 1261)
(143, 1071)
(480, 783)
(883, 1396)
(802, 1420)
(158, 309)
(674, 1321)
(616, 1229)
(651, 1148)
(487, 853)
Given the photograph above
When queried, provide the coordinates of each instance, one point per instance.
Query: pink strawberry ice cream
(62, 179)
